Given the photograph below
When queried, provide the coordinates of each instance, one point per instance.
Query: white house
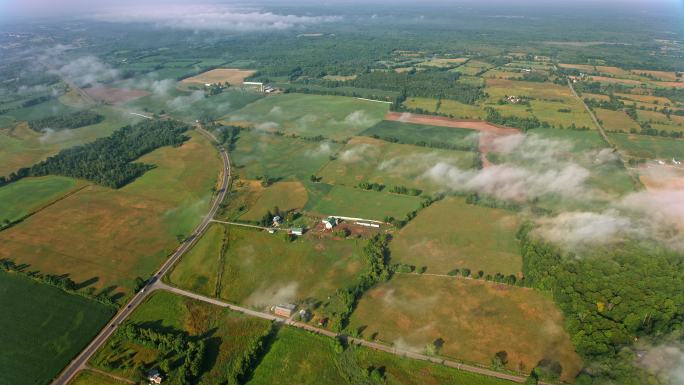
(329, 222)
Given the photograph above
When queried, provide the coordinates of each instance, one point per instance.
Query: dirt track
(488, 131)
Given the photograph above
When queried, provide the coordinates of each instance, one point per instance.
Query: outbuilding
(329, 223)
(285, 310)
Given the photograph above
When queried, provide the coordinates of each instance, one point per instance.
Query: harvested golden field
(474, 319)
(660, 75)
(498, 88)
(220, 75)
(616, 120)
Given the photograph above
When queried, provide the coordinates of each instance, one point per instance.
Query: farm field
(475, 320)
(262, 269)
(198, 269)
(649, 147)
(22, 147)
(365, 159)
(112, 236)
(615, 120)
(26, 195)
(556, 114)
(228, 337)
(220, 75)
(498, 88)
(356, 203)
(284, 195)
(435, 136)
(334, 117)
(451, 234)
(44, 330)
(257, 154)
(299, 357)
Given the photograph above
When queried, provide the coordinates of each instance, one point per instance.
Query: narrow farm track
(102, 372)
(81, 360)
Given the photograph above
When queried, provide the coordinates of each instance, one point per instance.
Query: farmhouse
(329, 223)
(285, 310)
(297, 231)
(277, 220)
(154, 377)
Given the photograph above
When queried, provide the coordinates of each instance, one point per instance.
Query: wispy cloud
(209, 17)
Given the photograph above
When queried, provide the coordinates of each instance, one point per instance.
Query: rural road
(80, 361)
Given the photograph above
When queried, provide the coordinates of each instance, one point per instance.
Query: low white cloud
(323, 149)
(358, 153)
(87, 70)
(184, 102)
(267, 126)
(358, 118)
(209, 17)
(274, 295)
(578, 230)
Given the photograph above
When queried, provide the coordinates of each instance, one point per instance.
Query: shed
(329, 222)
(285, 310)
(297, 231)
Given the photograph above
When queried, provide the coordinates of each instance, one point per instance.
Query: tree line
(63, 121)
(108, 161)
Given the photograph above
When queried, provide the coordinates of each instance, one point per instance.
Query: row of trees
(473, 146)
(610, 299)
(62, 282)
(62, 121)
(189, 354)
(107, 161)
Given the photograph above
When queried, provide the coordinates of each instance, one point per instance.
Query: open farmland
(220, 75)
(27, 195)
(22, 147)
(420, 134)
(475, 320)
(649, 147)
(298, 357)
(262, 269)
(258, 154)
(615, 120)
(334, 117)
(91, 377)
(499, 88)
(451, 234)
(561, 114)
(366, 159)
(43, 328)
(112, 236)
(114, 95)
(352, 202)
(283, 195)
(228, 337)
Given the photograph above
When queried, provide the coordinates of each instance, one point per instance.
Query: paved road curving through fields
(80, 361)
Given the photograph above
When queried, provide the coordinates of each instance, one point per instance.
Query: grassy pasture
(502, 74)
(112, 236)
(615, 120)
(284, 195)
(226, 334)
(22, 147)
(26, 195)
(550, 112)
(452, 234)
(475, 319)
(197, 270)
(43, 328)
(498, 88)
(410, 133)
(461, 110)
(334, 117)
(299, 357)
(258, 154)
(649, 147)
(649, 99)
(357, 203)
(263, 269)
(90, 377)
(365, 159)
(443, 62)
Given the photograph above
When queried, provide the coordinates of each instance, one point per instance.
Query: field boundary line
(373, 100)
(107, 374)
(43, 207)
(462, 278)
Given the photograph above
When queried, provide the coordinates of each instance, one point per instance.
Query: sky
(222, 12)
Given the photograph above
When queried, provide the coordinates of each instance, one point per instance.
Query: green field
(298, 357)
(90, 377)
(615, 120)
(409, 133)
(551, 112)
(285, 196)
(23, 147)
(260, 154)
(352, 202)
(43, 328)
(649, 147)
(26, 195)
(261, 269)
(113, 236)
(451, 234)
(228, 336)
(365, 159)
(334, 117)
(475, 320)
